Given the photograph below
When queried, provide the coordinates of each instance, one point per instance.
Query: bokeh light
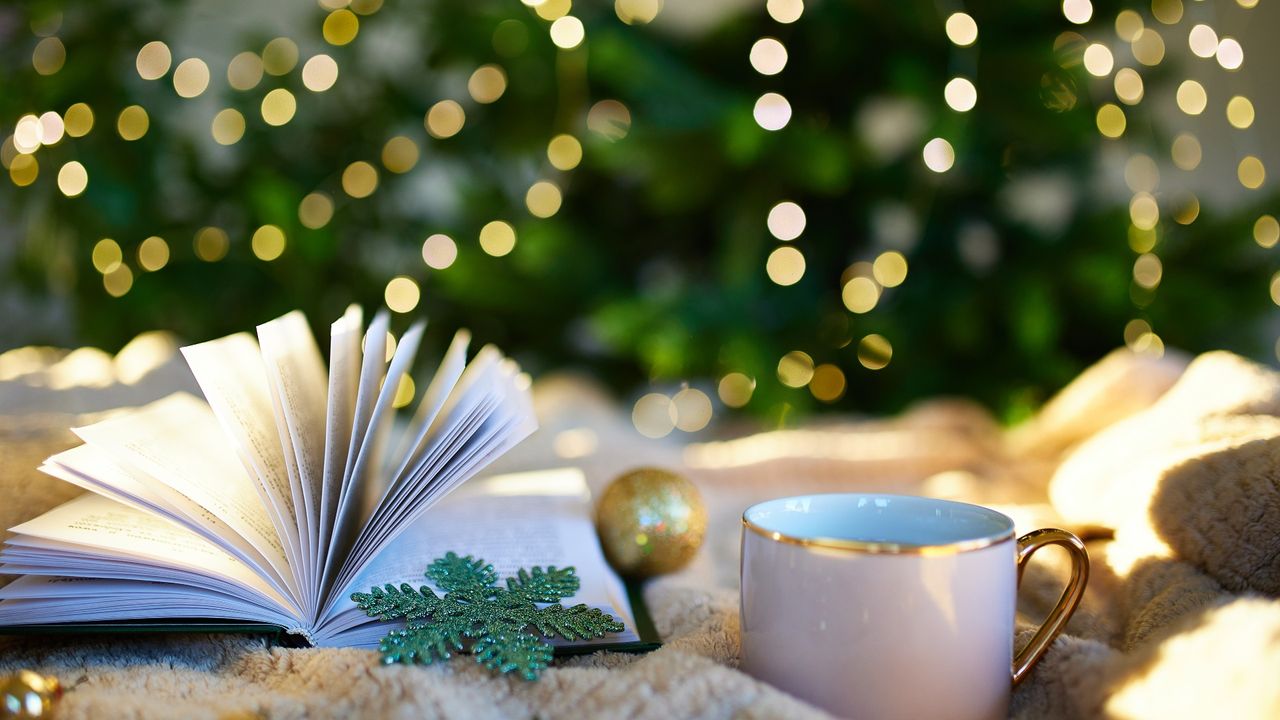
(1111, 120)
(961, 94)
(340, 27)
(1192, 98)
(154, 60)
(874, 352)
(227, 127)
(772, 111)
(360, 179)
(637, 12)
(153, 253)
(487, 84)
(1230, 54)
(860, 294)
(72, 178)
(543, 199)
(1128, 85)
(692, 409)
(315, 211)
(49, 56)
(567, 32)
(1148, 47)
(191, 78)
(1240, 112)
(962, 29)
(1203, 41)
(320, 73)
(938, 155)
(106, 255)
(132, 123)
(497, 238)
(439, 251)
(609, 119)
(278, 107)
(245, 71)
(564, 152)
(785, 265)
(211, 244)
(1098, 60)
(654, 415)
(735, 389)
(1186, 151)
(268, 242)
(400, 154)
(828, 383)
(795, 369)
(1077, 12)
(785, 11)
(786, 220)
(1251, 172)
(890, 268)
(402, 294)
(445, 119)
(279, 56)
(768, 56)
(78, 120)
(1266, 231)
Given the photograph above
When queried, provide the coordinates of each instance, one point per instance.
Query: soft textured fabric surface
(1180, 619)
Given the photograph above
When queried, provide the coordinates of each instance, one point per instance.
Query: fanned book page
(289, 486)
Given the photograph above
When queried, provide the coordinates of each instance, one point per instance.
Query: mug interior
(878, 521)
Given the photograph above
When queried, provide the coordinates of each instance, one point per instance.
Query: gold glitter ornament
(26, 694)
(651, 521)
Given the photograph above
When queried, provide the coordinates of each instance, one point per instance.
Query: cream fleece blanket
(1180, 620)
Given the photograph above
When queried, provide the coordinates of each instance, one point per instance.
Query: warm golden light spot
(212, 244)
(551, 10)
(51, 128)
(828, 383)
(1128, 86)
(860, 294)
(1230, 54)
(7, 152)
(637, 12)
(1147, 271)
(1149, 344)
(785, 11)
(245, 71)
(1186, 210)
(1247, 4)
(785, 265)
(1191, 97)
(1111, 121)
(132, 122)
(487, 84)
(961, 29)
(315, 211)
(153, 60)
(609, 119)
(890, 268)
(874, 352)
(786, 220)
(279, 56)
(360, 179)
(1134, 330)
(795, 369)
(227, 127)
(693, 409)
(1168, 12)
(268, 242)
(1203, 41)
(961, 94)
(1141, 173)
(23, 170)
(543, 199)
(28, 134)
(1142, 241)
(49, 56)
(400, 154)
(402, 294)
(319, 73)
(445, 119)
(404, 392)
(191, 78)
(938, 155)
(106, 255)
(564, 152)
(1098, 60)
(341, 27)
(439, 251)
(654, 415)
(1077, 12)
(278, 107)
(1251, 172)
(78, 120)
(1186, 151)
(1266, 231)
(153, 254)
(497, 238)
(735, 389)
(772, 111)
(365, 7)
(1148, 47)
(1128, 25)
(72, 179)
(1240, 112)
(1143, 211)
(1275, 288)
(118, 282)
(768, 56)
(567, 32)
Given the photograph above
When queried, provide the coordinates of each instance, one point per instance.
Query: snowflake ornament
(496, 620)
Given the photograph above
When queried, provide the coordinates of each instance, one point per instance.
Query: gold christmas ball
(651, 521)
(26, 694)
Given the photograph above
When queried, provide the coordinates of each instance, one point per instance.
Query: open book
(289, 487)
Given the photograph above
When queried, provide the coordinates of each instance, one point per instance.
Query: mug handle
(1057, 619)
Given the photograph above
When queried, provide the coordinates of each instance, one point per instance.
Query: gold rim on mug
(880, 548)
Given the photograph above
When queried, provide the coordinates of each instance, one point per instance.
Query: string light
(786, 221)
(637, 12)
(772, 111)
(487, 84)
(1251, 172)
(828, 383)
(785, 11)
(1148, 47)
(960, 94)
(785, 265)
(768, 56)
(1077, 12)
(359, 179)
(439, 251)
(245, 71)
(962, 29)
(268, 243)
(938, 155)
(153, 254)
(49, 56)
(445, 119)
(106, 255)
(795, 369)
(279, 56)
(890, 268)
(497, 238)
(402, 294)
(340, 27)
(400, 154)
(191, 78)
(1098, 60)
(564, 152)
(315, 211)
(1230, 54)
(874, 352)
(153, 60)
(1191, 97)
(319, 73)
(72, 179)
(860, 295)
(543, 199)
(1128, 84)
(567, 32)
(227, 127)
(1203, 41)
(211, 244)
(78, 120)
(1240, 112)
(1266, 231)
(735, 389)
(278, 107)
(1186, 151)
(1111, 120)
(132, 123)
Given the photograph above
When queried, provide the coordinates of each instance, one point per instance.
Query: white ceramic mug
(889, 606)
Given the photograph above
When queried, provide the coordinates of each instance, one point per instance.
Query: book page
(512, 522)
(114, 529)
(229, 371)
(344, 381)
(177, 442)
(298, 382)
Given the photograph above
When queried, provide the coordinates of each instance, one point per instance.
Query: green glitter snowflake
(495, 619)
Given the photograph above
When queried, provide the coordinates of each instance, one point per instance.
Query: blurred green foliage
(653, 272)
